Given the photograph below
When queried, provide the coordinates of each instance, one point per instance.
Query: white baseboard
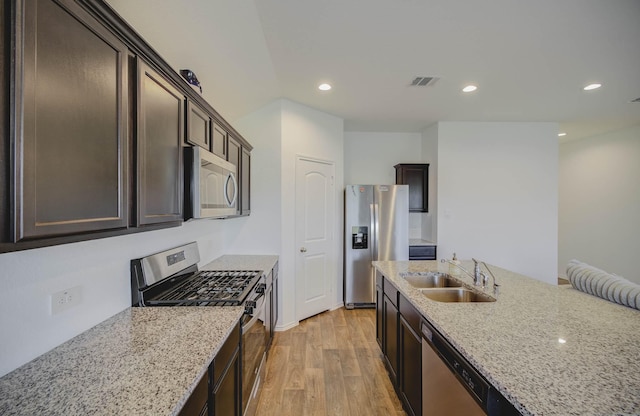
(337, 306)
(285, 327)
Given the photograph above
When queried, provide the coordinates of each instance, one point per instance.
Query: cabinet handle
(303, 250)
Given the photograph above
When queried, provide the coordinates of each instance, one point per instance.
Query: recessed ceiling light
(592, 87)
(324, 87)
(469, 88)
(562, 134)
(562, 341)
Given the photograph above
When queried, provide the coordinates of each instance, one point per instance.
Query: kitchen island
(548, 350)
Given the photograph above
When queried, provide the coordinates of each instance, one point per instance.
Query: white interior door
(315, 243)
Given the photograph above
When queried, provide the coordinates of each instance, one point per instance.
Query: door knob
(303, 250)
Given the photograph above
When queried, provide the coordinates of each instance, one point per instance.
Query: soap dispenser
(454, 269)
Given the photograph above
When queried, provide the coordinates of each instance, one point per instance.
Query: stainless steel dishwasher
(450, 386)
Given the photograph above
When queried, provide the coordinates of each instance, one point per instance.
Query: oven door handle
(255, 317)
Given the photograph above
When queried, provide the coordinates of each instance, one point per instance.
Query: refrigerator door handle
(374, 231)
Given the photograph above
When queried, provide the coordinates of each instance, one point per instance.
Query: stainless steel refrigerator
(376, 227)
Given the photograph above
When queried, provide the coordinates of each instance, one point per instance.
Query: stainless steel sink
(459, 294)
(430, 280)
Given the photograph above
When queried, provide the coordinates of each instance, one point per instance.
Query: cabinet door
(379, 315)
(219, 142)
(245, 182)
(197, 403)
(198, 126)
(415, 175)
(390, 338)
(226, 393)
(379, 309)
(410, 369)
(71, 147)
(159, 146)
(234, 155)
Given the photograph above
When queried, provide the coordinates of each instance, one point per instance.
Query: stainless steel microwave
(211, 188)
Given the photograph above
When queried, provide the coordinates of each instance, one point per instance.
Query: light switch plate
(65, 299)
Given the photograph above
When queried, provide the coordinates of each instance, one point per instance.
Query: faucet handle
(485, 279)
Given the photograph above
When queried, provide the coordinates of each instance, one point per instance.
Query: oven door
(253, 352)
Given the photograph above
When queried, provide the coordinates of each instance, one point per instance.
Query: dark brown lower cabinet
(410, 377)
(397, 332)
(223, 375)
(225, 394)
(226, 385)
(197, 404)
(379, 314)
(390, 338)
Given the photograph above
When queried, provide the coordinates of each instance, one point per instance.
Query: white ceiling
(530, 59)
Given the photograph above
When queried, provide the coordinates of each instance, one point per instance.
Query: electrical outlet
(65, 299)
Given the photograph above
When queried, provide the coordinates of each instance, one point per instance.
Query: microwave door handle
(230, 201)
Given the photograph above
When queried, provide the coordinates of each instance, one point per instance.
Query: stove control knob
(261, 287)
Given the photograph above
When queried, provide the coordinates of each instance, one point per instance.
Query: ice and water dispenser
(359, 237)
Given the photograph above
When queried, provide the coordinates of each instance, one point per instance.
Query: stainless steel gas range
(172, 278)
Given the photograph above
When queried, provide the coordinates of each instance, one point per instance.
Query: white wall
(100, 267)
(430, 156)
(260, 233)
(498, 195)
(600, 202)
(308, 132)
(288, 129)
(370, 158)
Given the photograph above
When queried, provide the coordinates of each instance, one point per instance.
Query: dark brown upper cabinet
(198, 126)
(160, 134)
(234, 155)
(92, 126)
(69, 155)
(219, 142)
(416, 175)
(245, 182)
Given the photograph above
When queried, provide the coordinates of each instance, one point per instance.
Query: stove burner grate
(211, 287)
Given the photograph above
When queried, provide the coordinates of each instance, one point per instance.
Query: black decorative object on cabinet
(416, 175)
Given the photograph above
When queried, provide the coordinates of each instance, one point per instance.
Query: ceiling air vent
(423, 81)
(637, 100)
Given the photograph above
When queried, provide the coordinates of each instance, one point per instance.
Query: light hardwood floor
(330, 365)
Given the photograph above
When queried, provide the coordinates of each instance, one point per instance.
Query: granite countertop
(242, 262)
(420, 242)
(142, 361)
(515, 342)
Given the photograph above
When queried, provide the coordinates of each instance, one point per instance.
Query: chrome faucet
(485, 279)
(478, 276)
(459, 267)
